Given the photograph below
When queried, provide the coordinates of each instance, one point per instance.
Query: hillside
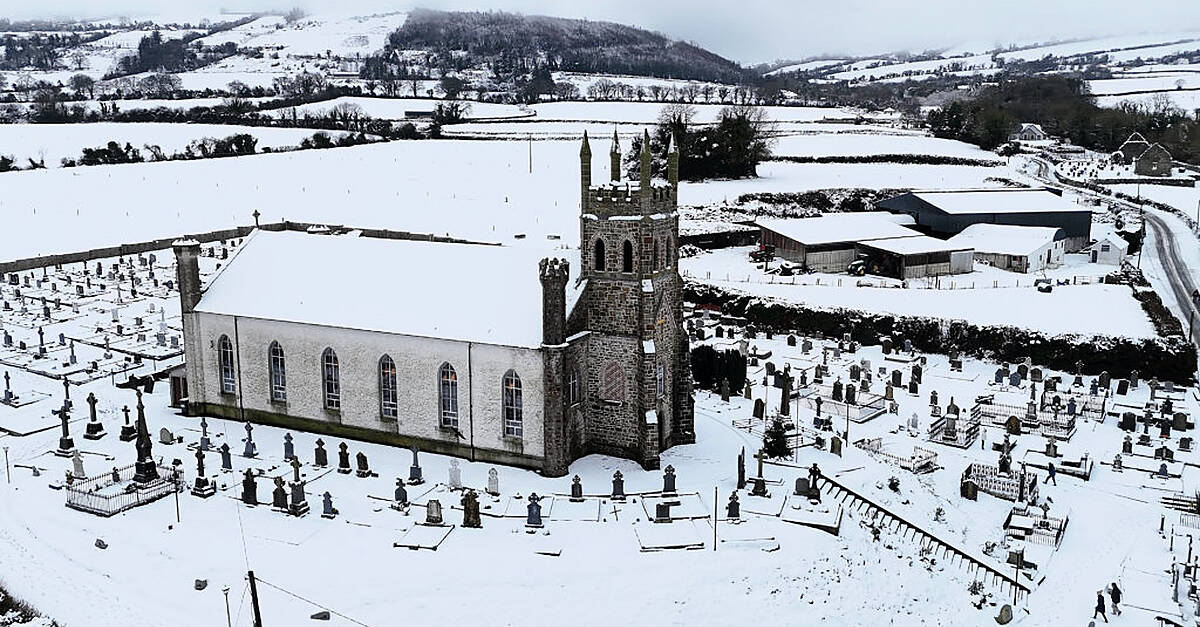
(513, 44)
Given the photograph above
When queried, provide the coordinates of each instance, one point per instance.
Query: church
(521, 359)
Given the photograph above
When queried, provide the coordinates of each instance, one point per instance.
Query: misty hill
(513, 44)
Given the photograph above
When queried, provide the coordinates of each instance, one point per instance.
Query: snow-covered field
(394, 108)
(1058, 312)
(402, 185)
(53, 142)
(647, 112)
(869, 144)
(1156, 82)
(1105, 45)
(969, 63)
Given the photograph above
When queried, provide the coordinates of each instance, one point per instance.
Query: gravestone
(1133, 379)
(279, 499)
(327, 508)
(835, 445)
(343, 459)
(493, 482)
(414, 471)
(1072, 407)
(205, 441)
(759, 487)
(760, 408)
(733, 509)
(896, 378)
(669, 480)
(1023, 371)
(1012, 426)
(251, 448)
(1035, 375)
(433, 513)
(363, 468)
(401, 496)
(933, 397)
(455, 475)
(1122, 387)
(471, 517)
(1105, 380)
(226, 457)
(576, 490)
(289, 450)
(533, 512)
(95, 428)
(850, 395)
(320, 455)
(249, 488)
(917, 373)
(999, 376)
(913, 389)
(165, 436)
(77, 466)
(791, 340)
(837, 390)
(618, 486)
(1014, 379)
(802, 487)
(128, 431)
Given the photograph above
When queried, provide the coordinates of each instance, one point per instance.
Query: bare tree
(83, 83)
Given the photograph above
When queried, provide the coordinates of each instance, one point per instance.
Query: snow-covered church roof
(465, 292)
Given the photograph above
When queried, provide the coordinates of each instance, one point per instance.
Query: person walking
(1100, 606)
(1051, 474)
(1115, 593)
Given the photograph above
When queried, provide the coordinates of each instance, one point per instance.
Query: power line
(311, 602)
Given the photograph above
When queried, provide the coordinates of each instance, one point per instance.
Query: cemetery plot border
(98, 495)
(1034, 528)
(1061, 426)
(963, 435)
(921, 461)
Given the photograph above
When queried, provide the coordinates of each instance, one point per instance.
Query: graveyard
(921, 477)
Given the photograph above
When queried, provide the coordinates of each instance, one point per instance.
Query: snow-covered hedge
(1172, 358)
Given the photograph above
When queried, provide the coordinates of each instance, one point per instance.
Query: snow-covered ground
(586, 562)
(402, 185)
(53, 142)
(972, 297)
(394, 108)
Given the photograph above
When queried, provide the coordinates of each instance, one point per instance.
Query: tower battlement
(626, 199)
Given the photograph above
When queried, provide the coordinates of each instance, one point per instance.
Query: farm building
(1029, 133)
(915, 257)
(946, 213)
(828, 243)
(1015, 248)
(1147, 159)
(1109, 250)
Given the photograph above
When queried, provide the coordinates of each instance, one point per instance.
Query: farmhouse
(947, 213)
(487, 352)
(1109, 250)
(1015, 248)
(828, 243)
(1029, 133)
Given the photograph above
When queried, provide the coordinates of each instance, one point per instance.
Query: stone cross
(760, 455)
(295, 470)
(533, 516)
(414, 471)
(199, 462)
(289, 450)
(618, 486)
(91, 401)
(669, 480)
(401, 493)
(251, 449)
(226, 458)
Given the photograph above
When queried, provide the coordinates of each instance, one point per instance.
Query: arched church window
(225, 363)
(448, 396)
(661, 379)
(389, 406)
(278, 372)
(331, 379)
(612, 382)
(598, 255)
(627, 256)
(512, 404)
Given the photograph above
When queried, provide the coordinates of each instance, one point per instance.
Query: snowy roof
(465, 292)
(1031, 126)
(1005, 239)
(840, 227)
(998, 201)
(916, 245)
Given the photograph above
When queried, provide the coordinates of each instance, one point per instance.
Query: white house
(1109, 250)
(1029, 133)
(1015, 248)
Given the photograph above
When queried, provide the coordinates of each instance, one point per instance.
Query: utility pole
(7, 472)
(531, 153)
(254, 599)
(228, 616)
(716, 498)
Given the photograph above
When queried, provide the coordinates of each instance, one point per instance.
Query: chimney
(187, 260)
(554, 274)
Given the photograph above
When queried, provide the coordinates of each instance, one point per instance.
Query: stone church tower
(638, 371)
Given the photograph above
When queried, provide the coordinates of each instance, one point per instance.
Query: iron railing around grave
(113, 492)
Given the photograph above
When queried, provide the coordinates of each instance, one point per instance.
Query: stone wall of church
(417, 362)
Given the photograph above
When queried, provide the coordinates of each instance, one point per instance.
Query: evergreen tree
(775, 445)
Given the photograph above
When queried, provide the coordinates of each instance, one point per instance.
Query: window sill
(282, 404)
(389, 419)
(229, 395)
(514, 442)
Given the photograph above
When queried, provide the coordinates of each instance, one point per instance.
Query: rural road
(1181, 282)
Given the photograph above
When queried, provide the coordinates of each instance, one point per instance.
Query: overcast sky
(755, 31)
